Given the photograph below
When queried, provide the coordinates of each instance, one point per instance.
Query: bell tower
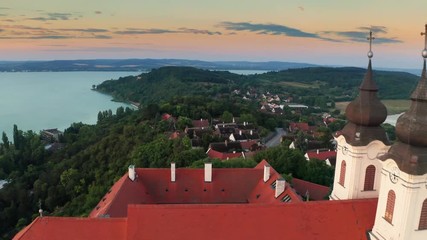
(402, 203)
(362, 139)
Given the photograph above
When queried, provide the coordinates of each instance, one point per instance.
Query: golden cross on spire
(424, 53)
(370, 38)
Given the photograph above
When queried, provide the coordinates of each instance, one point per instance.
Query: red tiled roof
(166, 116)
(153, 186)
(200, 123)
(316, 192)
(65, 228)
(300, 125)
(249, 144)
(303, 221)
(331, 220)
(168, 214)
(322, 155)
(223, 155)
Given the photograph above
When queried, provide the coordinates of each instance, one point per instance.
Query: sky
(326, 32)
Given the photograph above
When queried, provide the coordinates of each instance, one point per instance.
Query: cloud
(198, 31)
(96, 49)
(301, 8)
(102, 37)
(87, 30)
(98, 12)
(28, 32)
(142, 31)
(53, 16)
(135, 31)
(374, 29)
(271, 29)
(361, 34)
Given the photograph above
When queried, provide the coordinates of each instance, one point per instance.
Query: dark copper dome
(411, 127)
(367, 109)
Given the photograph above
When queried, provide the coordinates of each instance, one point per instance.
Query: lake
(391, 119)
(42, 100)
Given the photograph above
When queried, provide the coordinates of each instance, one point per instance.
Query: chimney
(173, 174)
(317, 151)
(280, 187)
(240, 132)
(252, 132)
(132, 173)
(234, 120)
(208, 172)
(266, 172)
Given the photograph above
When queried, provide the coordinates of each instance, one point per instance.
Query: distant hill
(303, 84)
(141, 65)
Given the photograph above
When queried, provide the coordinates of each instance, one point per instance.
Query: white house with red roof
(328, 156)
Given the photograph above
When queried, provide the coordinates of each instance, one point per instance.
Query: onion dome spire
(411, 127)
(367, 109)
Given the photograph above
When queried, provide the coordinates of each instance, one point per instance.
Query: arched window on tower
(389, 209)
(342, 173)
(423, 217)
(369, 178)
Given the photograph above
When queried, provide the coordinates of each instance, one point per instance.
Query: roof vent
(173, 177)
(266, 172)
(280, 187)
(208, 172)
(132, 172)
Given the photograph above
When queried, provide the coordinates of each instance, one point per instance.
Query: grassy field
(301, 85)
(393, 106)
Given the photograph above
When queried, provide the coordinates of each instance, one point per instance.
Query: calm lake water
(41, 100)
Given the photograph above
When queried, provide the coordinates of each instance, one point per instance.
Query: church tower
(402, 203)
(357, 170)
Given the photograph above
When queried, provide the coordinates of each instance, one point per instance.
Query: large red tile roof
(154, 186)
(237, 204)
(331, 220)
(348, 219)
(65, 228)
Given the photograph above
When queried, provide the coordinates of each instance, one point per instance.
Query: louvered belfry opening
(342, 173)
(369, 178)
(391, 198)
(423, 217)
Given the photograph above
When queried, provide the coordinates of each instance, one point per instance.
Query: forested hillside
(339, 84)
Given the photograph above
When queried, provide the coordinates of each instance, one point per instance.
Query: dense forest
(71, 181)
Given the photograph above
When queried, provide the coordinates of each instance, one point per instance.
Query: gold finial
(424, 52)
(370, 38)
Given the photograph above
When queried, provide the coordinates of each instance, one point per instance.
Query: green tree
(183, 122)
(5, 140)
(227, 117)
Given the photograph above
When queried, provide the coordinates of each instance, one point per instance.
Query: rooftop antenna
(424, 52)
(40, 208)
(370, 38)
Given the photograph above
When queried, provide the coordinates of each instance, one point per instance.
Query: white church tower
(357, 170)
(402, 203)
